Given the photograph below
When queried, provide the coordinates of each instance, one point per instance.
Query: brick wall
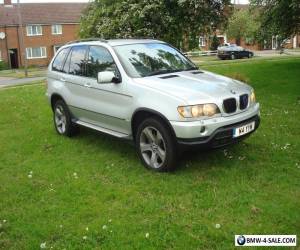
(48, 40)
(11, 41)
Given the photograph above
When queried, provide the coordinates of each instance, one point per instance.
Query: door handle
(87, 85)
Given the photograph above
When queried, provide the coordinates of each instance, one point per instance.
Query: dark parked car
(233, 51)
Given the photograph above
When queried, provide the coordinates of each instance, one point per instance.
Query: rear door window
(59, 60)
(77, 61)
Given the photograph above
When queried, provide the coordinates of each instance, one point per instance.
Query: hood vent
(197, 72)
(169, 76)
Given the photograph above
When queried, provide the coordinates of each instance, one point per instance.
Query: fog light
(202, 129)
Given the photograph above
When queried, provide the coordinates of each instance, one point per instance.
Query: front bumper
(190, 133)
(221, 137)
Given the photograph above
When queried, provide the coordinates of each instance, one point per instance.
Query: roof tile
(42, 13)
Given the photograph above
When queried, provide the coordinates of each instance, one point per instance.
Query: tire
(63, 120)
(156, 146)
(232, 56)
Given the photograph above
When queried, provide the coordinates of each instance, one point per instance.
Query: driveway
(8, 81)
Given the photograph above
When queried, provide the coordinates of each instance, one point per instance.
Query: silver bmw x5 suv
(149, 92)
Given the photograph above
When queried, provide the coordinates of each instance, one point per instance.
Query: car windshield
(148, 59)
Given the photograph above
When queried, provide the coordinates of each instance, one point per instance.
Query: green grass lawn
(214, 60)
(91, 192)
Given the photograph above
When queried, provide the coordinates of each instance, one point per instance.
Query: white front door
(274, 42)
(295, 42)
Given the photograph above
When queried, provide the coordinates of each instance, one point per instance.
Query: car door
(107, 103)
(78, 89)
(56, 76)
(244, 53)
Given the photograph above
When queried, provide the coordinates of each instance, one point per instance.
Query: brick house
(46, 27)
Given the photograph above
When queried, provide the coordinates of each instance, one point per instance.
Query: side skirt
(103, 130)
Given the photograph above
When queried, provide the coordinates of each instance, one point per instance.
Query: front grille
(244, 101)
(229, 105)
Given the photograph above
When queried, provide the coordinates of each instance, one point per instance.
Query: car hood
(195, 87)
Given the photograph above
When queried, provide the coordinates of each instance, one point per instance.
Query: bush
(214, 43)
(3, 65)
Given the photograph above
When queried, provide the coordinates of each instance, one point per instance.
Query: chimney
(7, 2)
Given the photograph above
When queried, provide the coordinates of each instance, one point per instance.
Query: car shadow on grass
(106, 141)
(192, 160)
(235, 155)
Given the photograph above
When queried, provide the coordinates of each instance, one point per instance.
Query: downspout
(21, 38)
(6, 45)
(19, 48)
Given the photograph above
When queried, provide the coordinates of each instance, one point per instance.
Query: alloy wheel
(153, 147)
(60, 119)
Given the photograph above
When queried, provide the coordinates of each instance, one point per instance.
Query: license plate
(243, 129)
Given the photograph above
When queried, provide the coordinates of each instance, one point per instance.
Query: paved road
(7, 81)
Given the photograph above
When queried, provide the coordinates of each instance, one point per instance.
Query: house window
(201, 41)
(56, 29)
(34, 30)
(39, 52)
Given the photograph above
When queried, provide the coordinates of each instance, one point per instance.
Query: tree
(243, 23)
(178, 22)
(279, 17)
(214, 43)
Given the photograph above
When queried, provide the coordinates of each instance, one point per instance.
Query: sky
(52, 1)
(46, 1)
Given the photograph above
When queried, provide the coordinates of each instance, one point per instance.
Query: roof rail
(87, 40)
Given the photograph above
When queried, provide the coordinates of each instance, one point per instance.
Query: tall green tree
(279, 17)
(178, 22)
(243, 23)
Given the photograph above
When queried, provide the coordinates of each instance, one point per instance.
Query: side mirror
(107, 77)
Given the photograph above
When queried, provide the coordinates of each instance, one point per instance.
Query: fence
(201, 53)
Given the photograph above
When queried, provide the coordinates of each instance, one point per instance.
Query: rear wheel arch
(54, 98)
(141, 114)
(62, 118)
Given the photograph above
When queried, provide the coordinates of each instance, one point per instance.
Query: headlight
(199, 110)
(252, 97)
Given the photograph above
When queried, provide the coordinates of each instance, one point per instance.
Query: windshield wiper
(191, 68)
(165, 71)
